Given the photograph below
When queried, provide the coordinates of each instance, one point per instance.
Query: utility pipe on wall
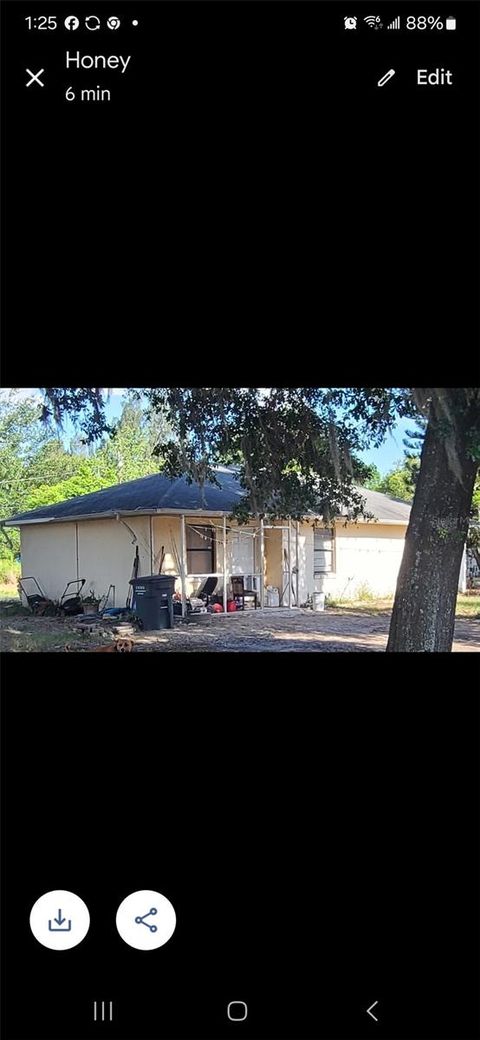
(183, 563)
(262, 565)
(225, 565)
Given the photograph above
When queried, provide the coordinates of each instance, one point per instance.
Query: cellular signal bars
(395, 24)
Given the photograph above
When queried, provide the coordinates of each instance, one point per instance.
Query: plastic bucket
(319, 601)
(273, 597)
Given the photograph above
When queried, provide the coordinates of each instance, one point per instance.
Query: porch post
(224, 565)
(152, 550)
(462, 587)
(289, 533)
(183, 564)
(262, 565)
(297, 562)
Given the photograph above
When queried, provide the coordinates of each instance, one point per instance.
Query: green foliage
(9, 572)
(294, 447)
(52, 464)
(85, 406)
(371, 478)
(402, 479)
(364, 593)
(413, 440)
(129, 452)
(37, 470)
(290, 453)
(474, 538)
(21, 436)
(88, 478)
(476, 500)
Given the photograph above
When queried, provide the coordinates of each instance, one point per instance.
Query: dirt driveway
(270, 630)
(285, 630)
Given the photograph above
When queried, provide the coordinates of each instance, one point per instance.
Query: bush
(364, 593)
(9, 572)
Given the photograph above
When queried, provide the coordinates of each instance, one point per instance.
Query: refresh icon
(92, 22)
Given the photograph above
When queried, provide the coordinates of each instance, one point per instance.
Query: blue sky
(384, 457)
(391, 450)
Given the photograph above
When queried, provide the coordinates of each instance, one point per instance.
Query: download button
(59, 920)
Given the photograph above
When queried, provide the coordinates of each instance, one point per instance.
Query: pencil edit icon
(388, 75)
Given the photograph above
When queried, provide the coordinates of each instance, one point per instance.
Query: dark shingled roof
(145, 495)
(385, 508)
(158, 492)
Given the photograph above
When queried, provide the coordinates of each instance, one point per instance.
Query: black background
(247, 187)
(248, 203)
(319, 847)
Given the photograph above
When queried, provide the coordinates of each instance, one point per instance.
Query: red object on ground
(231, 606)
(216, 608)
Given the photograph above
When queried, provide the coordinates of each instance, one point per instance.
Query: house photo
(186, 530)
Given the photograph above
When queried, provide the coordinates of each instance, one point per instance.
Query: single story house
(97, 536)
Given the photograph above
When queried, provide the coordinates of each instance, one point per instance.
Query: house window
(323, 550)
(200, 549)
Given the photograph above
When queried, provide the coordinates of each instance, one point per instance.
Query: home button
(237, 1010)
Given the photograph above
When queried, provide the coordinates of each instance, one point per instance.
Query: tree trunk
(423, 616)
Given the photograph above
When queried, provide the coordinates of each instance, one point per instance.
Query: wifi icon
(374, 21)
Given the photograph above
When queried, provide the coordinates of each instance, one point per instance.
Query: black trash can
(153, 600)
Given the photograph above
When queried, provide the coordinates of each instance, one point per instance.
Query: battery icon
(451, 23)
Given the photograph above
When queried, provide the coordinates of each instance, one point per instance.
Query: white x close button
(35, 77)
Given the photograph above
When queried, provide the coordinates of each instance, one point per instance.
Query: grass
(21, 642)
(8, 591)
(467, 606)
(9, 573)
(370, 606)
(10, 605)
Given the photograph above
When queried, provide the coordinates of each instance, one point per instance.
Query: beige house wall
(49, 554)
(367, 556)
(106, 554)
(306, 577)
(273, 555)
(167, 531)
(102, 552)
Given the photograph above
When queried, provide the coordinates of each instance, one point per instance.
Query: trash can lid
(150, 579)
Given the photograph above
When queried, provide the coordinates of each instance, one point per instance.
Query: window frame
(317, 572)
(194, 529)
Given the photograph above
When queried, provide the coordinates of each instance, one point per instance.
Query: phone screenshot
(257, 824)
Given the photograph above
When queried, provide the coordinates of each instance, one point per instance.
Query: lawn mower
(70, 603)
